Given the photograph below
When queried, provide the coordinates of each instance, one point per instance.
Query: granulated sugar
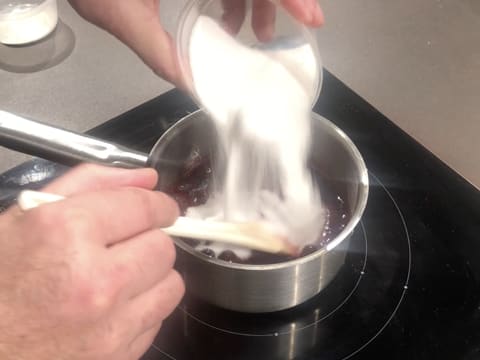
(260, 102)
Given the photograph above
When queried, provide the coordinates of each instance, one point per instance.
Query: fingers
(234, 12)
(263, 15)
(117, 215)
(263, 19)
(89, 177)
(105, 217)
(318, 18)
(142, 262)
(306, 11)
(137, 24)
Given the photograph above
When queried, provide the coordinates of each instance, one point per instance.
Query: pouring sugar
(260, 102)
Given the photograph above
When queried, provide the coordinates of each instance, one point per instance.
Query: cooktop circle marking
(361, 275)
(279, 333)
(408, 271)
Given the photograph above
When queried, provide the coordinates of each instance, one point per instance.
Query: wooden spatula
(253, 235)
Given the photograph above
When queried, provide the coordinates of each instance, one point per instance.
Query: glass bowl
(260, 24)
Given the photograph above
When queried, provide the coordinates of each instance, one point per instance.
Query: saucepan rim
(346, 232)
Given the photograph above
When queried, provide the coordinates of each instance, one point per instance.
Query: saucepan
(234, 286)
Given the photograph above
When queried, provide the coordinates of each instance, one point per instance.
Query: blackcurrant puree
(194, 186)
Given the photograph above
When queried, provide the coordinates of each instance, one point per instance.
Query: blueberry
(190, 242)
(229, 256)
(208, 252)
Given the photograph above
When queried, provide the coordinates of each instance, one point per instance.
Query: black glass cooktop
(410, 287)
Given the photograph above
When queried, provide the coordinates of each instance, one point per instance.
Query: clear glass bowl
(267, 26)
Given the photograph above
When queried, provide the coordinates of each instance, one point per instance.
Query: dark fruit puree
(193, 188)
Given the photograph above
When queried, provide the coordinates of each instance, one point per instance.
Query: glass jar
(26, 21)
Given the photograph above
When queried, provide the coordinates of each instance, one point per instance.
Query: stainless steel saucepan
(239, 287)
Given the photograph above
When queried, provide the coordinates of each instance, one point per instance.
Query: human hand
(137, 24)
(89, 277)
(264, 12)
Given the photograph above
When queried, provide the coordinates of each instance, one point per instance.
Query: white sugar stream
(260, 102)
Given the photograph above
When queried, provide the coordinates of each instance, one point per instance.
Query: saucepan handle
(62, 146)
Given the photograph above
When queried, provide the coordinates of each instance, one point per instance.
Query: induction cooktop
(410, 286)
